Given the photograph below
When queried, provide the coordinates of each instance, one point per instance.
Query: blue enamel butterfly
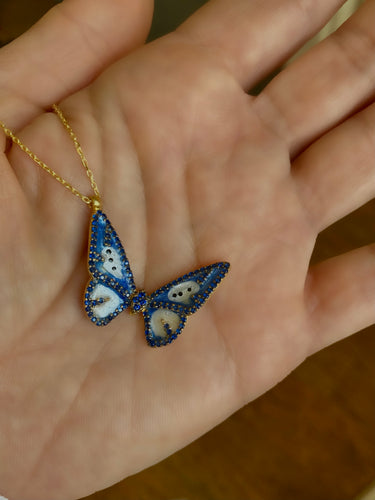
(112, 289)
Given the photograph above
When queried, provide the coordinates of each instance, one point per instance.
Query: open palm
(192, 170)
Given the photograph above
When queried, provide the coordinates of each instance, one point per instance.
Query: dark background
(310, 438)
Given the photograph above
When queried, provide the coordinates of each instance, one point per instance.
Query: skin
(192, 170)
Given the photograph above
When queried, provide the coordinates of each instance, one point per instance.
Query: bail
(96, 203)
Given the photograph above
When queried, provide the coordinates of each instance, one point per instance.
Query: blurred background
(310, 438)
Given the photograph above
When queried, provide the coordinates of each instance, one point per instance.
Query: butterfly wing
(112, 283)
(168, 307)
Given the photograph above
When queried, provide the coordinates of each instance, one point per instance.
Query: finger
(252, 38)
(340, 294)
(65, 50)
(336, 175)
(323, 87)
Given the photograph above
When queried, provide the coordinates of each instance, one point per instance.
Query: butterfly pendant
(111, 288)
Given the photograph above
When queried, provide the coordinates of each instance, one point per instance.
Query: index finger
(66, 50)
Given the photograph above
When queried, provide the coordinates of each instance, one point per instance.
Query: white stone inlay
(162, 317)
(183, 291)
(110, 304)
(112, 261)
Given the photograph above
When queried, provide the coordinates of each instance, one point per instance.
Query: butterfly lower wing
(168, 307)
(112, 283)
(103, 302)
(162, 325)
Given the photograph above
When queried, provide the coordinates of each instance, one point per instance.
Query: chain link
(92, 201)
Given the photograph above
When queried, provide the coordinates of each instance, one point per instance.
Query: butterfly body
(111, 288)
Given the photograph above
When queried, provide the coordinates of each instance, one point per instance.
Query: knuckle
(356, 47)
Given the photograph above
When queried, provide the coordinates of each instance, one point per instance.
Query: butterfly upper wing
(112, 283)
(168, 307)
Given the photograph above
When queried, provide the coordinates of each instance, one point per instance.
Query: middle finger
(252, 38)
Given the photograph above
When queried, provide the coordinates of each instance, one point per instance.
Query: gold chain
(95, 201)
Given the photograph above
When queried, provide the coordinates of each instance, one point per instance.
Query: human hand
(192, 170)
